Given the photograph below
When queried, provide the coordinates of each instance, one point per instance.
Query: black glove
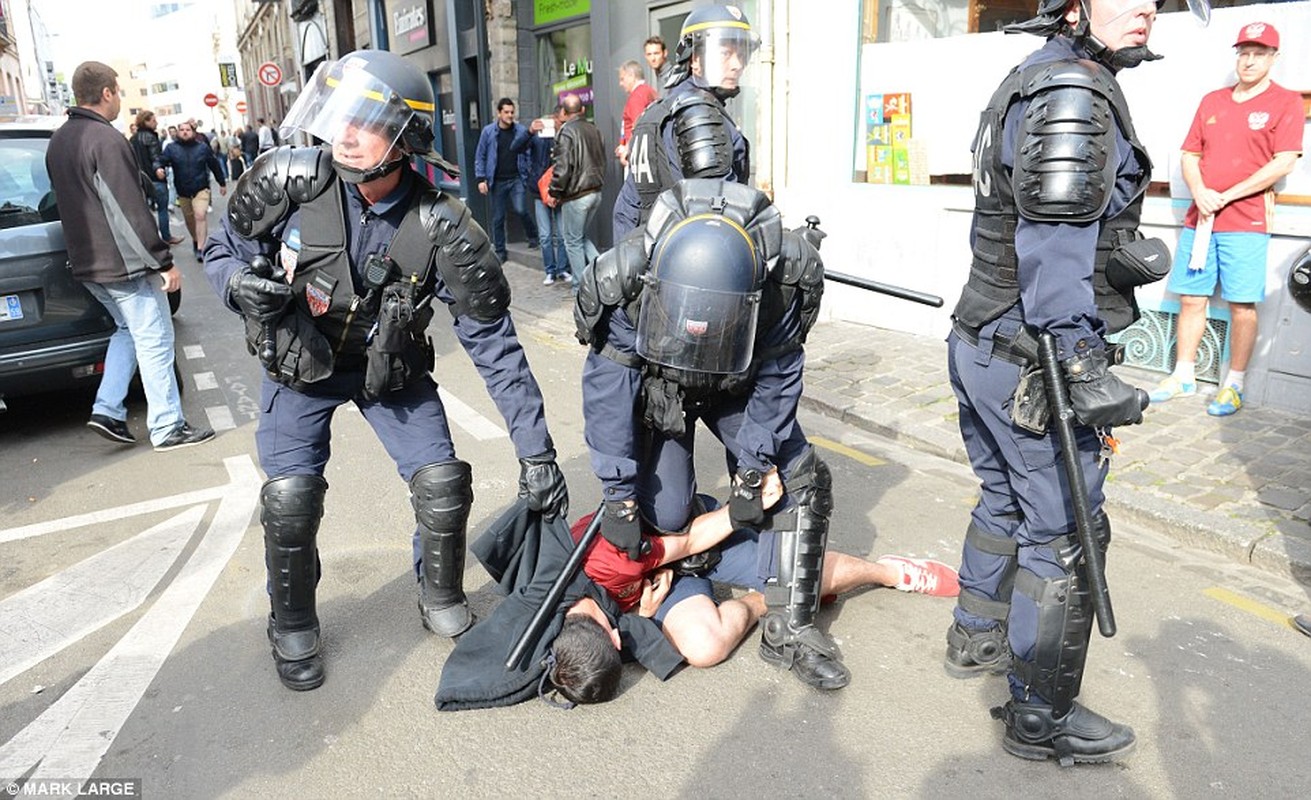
(621, 528)
(542, 482)
(260, 299)
(745, 509)
(1099, 399)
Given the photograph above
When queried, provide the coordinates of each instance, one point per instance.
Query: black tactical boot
(1080, 737)
(976, 652)
(809, 654)
(296, 657)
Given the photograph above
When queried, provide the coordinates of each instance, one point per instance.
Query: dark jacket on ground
(524, 557)
(190, 161)
(110, 232)
(579, 158)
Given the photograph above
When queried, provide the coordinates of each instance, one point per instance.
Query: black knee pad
(291, 507)
(442, 495)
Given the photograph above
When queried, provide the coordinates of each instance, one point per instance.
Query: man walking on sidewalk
(1243, 138)
(114, 249)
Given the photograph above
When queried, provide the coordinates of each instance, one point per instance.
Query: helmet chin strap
(352, 175)
(1116, 60)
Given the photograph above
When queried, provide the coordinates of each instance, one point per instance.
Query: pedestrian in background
(216, 143)
(657, 58)
(496, 169)
(249, 145)
(267, 141)
(579, 160)
(640, 95)
(192, 163)
(1243, 139)
(147, 149)
(236, 163)
(115, 250)
(533, 163)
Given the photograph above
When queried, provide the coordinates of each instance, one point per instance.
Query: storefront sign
(411, 25)
(227, 74)
(547, 11)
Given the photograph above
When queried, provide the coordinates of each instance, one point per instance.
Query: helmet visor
(721, 55)
(359, 115)
(701, 330)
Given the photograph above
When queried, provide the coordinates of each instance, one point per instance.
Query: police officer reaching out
(364, 245)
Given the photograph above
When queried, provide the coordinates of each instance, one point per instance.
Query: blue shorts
(748, 560)
(1237, 259)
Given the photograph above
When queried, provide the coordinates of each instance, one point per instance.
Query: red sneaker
(924, 576)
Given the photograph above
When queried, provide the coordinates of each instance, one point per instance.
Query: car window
(25, 194)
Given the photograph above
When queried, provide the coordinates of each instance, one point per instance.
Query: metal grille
(1150, 343)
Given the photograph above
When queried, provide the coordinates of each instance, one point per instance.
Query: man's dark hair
(502, 103)
(90, 80)
(144, 116)
(655, 40)
(587, 665)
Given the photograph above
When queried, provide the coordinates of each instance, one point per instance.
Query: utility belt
(1019, 348)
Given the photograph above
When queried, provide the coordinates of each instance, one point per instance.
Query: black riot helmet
(721, 40)
(374, 91)
(1299, 281)
(702, 297)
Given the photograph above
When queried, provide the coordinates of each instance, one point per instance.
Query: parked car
(53, 333)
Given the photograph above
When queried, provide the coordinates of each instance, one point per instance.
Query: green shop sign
(547, 11)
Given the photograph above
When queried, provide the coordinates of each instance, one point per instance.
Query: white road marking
(205, 380)
(475, 424)
(73, 734)
(220, 418)
(192, 351)
(45, 618)
(110, 514)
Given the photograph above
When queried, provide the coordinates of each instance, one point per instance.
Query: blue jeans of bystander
(144, 339)
(510, 192)
(575, 216)
(554, 258)
(161, 208)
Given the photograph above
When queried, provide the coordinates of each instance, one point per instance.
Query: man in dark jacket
(579, 159)
(190, 159)
(147, 148)
(249, 145)
(115, 250)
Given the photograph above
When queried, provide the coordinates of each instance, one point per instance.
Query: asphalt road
(132, 644)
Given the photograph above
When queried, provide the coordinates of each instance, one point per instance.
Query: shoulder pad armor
(1065, 152)
(470, 269)
(702, 136)
(279, 178)
(614, 279)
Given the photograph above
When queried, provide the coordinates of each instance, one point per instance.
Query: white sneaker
(567, 276)
(548, 280)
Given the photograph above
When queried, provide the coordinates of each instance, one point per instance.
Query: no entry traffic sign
(270, 74)
(211, 99)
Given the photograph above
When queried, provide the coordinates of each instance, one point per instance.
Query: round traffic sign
(211, 99)
(241, 106)
(270, 74)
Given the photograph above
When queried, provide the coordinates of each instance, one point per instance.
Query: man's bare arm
(711, 528)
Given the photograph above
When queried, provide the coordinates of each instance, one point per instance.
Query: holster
(400, 350)
(1137, 262)
(302, 354)
(1029, 408)
(662, 406)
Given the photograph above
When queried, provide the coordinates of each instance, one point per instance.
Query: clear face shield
(695, 329)
(720, 56)
(346, 106)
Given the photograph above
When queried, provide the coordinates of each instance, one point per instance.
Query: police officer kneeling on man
(364, 245)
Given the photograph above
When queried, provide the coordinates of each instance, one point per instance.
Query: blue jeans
(144, 339)
(554, 258)
(510, 190)
(161, 208)
(575, 216)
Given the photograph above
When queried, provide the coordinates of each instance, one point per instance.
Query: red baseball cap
(1258, 33)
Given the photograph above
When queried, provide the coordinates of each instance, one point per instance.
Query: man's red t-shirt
(611, 568)
(1237, 139)
(638, 99)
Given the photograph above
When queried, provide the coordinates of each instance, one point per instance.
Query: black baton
(1062, 417)
(553, 595)
(815, 236)
(261, 267)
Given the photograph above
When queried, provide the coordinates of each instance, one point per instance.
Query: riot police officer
(1058, 182)
(688, 133)
(363, 246)
(702, 316)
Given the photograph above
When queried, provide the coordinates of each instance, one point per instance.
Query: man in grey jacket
(114, 249)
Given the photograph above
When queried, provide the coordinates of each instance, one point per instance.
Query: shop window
(564, 62)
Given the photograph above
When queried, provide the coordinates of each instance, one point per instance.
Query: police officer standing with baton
(1059, 177)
